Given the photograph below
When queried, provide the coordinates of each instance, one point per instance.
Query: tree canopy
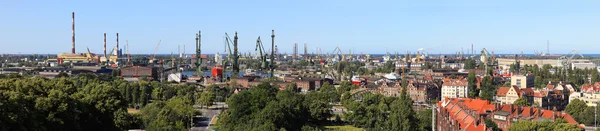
(264, 108)
(521, 102)
(86, 102)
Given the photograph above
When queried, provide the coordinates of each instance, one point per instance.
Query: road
(201, 122)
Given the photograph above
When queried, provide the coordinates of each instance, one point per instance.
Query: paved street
(202, 122)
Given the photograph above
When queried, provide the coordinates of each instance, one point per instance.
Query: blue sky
(508, 26)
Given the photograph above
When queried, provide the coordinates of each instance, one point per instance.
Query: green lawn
(343, 128)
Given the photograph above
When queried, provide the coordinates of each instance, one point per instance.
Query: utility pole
(271, 65)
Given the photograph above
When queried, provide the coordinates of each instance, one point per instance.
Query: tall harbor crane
(153, 58)
(234, 54)
(263, 57)
(487, 59)
(128, 54)
(566, 59)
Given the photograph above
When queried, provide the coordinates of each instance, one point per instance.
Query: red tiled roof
(455, 82)
(527, 91)
(530, 111)
(461, 111)
(202, 56)
(591, 88)
(502, 91)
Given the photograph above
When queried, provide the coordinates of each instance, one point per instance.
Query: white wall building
(455, 88)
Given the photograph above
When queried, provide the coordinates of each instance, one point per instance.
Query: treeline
(264, 108)
(381, 113)
(90, 102)
(544, 74)
(546, 125)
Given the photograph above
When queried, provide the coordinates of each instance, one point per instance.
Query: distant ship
(250, 72)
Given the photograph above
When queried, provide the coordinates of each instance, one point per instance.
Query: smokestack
(547, 47)
(105, 46)
(73, 31)
(305, 51)
(295, 51)
(118, 45)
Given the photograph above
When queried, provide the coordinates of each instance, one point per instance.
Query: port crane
(338, 52)
(486, 58)
(89, 55)
(152, 59)
(232, 56)
(263, 57)
(566, 59)
(128, 54)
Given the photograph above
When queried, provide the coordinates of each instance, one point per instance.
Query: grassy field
(343, 128)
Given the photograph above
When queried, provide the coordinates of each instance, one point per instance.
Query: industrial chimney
(118, 46)
(105, 46)
(73, 31)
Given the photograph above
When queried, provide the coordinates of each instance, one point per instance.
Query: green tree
(206, 98)
(469, 64)
(330, 92)
(492, 125)
(472, 85)
(401, 117)
(488, 90)
(424, 117)
(62, 74)
(521, 102)
(594, 76)
(575, 107)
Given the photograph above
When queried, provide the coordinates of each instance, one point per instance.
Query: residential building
(590, 94)
(522, 81)
(508, 95)
(462, 114)
(418, 92)
(569, 86)
(455, 88)
(465, 114)
(506, 115)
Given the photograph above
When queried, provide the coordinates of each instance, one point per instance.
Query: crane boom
(128, 54)
(157, 45)
(260, 49)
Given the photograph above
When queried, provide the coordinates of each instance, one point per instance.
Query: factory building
(577, 63)
(135, 73)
